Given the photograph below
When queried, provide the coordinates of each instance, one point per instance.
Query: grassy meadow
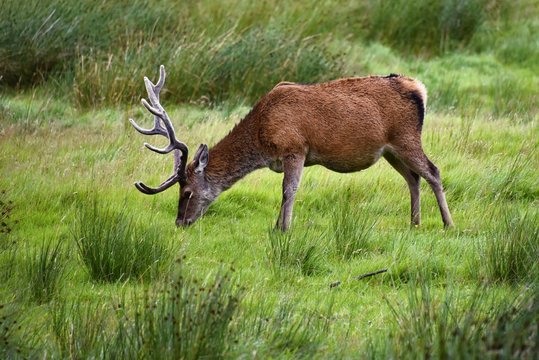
(92, 268)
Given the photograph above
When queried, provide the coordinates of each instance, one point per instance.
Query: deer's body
(344, 125)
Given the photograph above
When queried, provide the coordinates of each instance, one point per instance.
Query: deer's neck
(235, 156)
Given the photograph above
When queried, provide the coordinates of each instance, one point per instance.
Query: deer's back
(343, 124)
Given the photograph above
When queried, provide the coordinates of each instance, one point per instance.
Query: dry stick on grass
(337, 283)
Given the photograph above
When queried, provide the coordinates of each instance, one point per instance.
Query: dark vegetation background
(93, 51)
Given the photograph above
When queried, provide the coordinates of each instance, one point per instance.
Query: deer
(345, 125)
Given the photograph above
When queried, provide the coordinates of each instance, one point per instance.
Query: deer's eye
(187, 194)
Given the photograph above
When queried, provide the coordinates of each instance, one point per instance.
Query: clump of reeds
(113, 247)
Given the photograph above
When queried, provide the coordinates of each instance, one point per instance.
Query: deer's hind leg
(413, 181)
(414, 158)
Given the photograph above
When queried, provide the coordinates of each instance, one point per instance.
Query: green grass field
(92, 268)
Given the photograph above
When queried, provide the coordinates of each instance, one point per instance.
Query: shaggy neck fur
(234, 156)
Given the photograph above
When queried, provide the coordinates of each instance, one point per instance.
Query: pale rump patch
(423, 91)
(284, 83)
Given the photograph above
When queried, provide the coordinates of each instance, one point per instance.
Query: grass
(351, 231)
(453, 325)
(95, 255)
(113, 247)
(6, 209)
(294, 251)
(78, 328)
(450, 24)
(294, 270)
(512, 247)
(188, 319)
(233, 66)
(13, 344)
(285, 330)
(45, 269)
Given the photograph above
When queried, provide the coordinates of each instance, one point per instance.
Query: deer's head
(196, 192)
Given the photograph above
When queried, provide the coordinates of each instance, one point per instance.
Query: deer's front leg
(293, 167)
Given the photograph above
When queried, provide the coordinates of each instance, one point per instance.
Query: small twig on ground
(337, 283)
(370, 274)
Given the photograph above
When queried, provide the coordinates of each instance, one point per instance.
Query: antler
(161, 118)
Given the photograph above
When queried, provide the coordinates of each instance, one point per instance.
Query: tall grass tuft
(425, 26)
(35, 38)
(80, 329)
(449, 325)
(113, 247)
(188, 319)
(15, 341)
(512, 248)
(44, 270)
(8, 246)
(514, 331)
(427, 325)
(40, 37)
(6, 222)
(511, 182)
(249, 64)
(283, 328)
(513, 97)
(110, 40)
(8, 262)
(234, 66)
(290, 250)
(351, 231)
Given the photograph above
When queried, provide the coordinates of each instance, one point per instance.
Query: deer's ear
(201, 158)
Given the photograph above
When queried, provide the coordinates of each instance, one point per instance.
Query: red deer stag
(345, 125)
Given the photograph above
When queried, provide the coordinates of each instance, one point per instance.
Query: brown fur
(340, 124)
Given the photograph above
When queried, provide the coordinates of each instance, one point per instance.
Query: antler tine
(177, 176)
(161, 81)
(173, 179)
(159, 112)
(150, 89)
(157, 128)
(162, 126)
(156, 88)
(154, 92)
